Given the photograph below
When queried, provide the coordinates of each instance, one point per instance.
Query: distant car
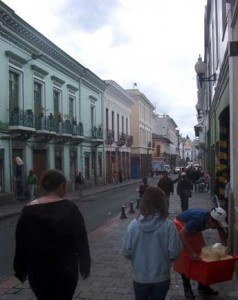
(177, 170)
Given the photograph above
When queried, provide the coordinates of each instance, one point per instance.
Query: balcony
(46, 128)
(24, 124)
(21, 124)
(121, 139)
(97, 136)
(129, 140)
(77, 133)
(109, 136)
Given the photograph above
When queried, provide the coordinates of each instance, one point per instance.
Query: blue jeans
(151, 291)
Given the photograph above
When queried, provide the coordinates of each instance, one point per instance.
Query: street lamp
(200, 68)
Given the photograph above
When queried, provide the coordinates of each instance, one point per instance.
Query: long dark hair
(153, 202)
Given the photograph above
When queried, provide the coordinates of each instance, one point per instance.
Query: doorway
(39, 161)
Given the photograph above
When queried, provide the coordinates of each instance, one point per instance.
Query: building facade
(217, 106)
(51, 114)
(141, 130)
(165, 140)
(117, 127)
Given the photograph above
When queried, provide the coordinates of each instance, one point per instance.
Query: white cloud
(152, 42)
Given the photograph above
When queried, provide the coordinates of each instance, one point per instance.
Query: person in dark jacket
(184, 190)
(52, 242)
(166, 184)
(143, 186)
(79, 180)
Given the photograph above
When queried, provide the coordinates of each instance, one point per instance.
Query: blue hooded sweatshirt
(151, 244)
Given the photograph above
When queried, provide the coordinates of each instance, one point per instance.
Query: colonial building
(117, 125)
(165, 140)
(51, 108)
(141, 130)
(217, 106)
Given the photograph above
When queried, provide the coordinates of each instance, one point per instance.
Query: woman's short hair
(52, 179)
(153, 202)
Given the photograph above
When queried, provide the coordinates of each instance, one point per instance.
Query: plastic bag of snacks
(214, 253)
(215, 265)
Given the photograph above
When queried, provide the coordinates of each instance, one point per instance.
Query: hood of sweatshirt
(150, 224)
(52, 220)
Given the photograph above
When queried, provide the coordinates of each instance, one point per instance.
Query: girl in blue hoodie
(152, 243)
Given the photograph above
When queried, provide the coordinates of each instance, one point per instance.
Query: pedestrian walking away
(79, 180)
(190, 224)
(143, 186)
(152, 242)
(166, 184)
(32, 181)
(184, 190)
(51, 242)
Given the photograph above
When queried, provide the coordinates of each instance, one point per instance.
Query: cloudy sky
(154, 43)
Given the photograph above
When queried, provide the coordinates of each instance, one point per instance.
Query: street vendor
(190, 224)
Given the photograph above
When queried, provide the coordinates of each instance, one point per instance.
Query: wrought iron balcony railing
(41, 122)
(121, 139)
(109, 136)
(22, 118)
(97, 132)
(129, 140)
(78, 129)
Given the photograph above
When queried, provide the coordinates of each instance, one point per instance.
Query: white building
(117, 125)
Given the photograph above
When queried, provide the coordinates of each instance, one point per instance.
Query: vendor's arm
(184, 233)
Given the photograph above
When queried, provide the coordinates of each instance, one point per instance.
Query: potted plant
(59, 117)
(51, 117)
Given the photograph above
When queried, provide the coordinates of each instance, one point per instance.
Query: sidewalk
(14, 208)
(111, 276)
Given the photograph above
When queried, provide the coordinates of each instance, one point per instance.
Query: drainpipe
(80, 157)
(231, 138)
(103, 134)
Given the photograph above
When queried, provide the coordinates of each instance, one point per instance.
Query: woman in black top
(52, 242)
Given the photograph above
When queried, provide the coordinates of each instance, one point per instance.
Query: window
(56, 102)
(118, 123)
(100, 164)
(71, 107)
(87, 165)
(113, 121)
(126, 125)
(107, 119)
(37, 98)
(92, 116)
(58, 160)
(158, 151)
(93, 163)
(13, 90)
(122, 124)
